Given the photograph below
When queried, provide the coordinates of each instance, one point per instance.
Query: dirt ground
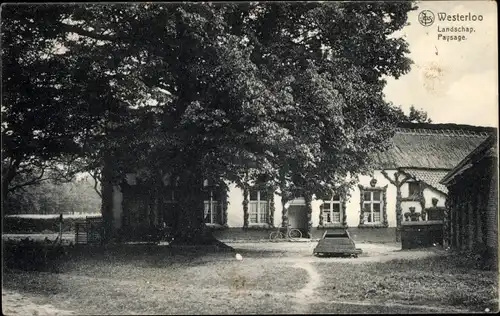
(272, 278)
(14, 303)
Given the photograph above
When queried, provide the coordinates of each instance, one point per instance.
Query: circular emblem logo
(426, 18)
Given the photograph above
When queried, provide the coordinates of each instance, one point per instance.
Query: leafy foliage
(414, 116)
(46, 100)
(250, 85)
(50, 197)
(289, 92)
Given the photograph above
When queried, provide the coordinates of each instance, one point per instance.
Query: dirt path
(14, 303)
(305, 295)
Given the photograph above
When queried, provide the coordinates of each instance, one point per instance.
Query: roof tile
(431, 177)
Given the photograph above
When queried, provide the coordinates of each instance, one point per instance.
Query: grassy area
(439, 281)
(161, 280)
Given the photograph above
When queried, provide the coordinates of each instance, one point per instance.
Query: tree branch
(30, 182)
(29, 168)
(9, 174)
(96, 178)
(405, 179)
(384, 173)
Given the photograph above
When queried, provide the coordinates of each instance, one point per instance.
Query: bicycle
(290, 233)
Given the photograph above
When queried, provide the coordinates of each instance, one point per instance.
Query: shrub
(28, 254)
(23, 225)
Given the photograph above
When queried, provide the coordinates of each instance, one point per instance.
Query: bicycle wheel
(275, 235)
(295, 233)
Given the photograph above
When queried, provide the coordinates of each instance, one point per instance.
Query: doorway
(297, 218)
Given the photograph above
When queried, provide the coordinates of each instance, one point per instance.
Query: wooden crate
(337, 242)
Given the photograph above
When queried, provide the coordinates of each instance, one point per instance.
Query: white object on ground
(239, 257)
(487, 310)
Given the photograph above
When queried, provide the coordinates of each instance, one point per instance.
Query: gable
(430, 177)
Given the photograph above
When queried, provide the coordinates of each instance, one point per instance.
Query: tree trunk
(107, 199)
(308, 200)
(7, 177)
(5, 192)
(190, 228)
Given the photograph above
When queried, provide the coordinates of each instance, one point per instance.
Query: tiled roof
(430, 177)
(430, 146)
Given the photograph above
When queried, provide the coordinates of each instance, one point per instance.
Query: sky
(455, 82)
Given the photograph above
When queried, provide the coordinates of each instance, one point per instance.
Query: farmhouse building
(472, 222)
(405, 186)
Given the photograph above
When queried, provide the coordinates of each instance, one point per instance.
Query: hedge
(22, 225)
(32, 255)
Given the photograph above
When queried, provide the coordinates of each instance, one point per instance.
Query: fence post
(77, 228)
(60, 224)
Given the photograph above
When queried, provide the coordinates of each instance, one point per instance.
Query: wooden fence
(89, 231)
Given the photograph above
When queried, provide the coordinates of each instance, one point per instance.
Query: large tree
(59, 98)
(49, 106)
(289, 91)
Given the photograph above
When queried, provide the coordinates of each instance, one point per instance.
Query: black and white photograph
(226, 158)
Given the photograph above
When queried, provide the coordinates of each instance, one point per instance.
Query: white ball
(239, 257)
(487, 310)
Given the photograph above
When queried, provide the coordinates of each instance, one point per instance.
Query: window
(331, 210)
(258, 211)
(212, 208)
(372, 206)
(413, 189)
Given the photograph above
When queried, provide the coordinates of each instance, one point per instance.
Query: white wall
(430, 193)
(278, 210)
(316, 206)
(353, 207)
(235, 206)
(405, 205)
